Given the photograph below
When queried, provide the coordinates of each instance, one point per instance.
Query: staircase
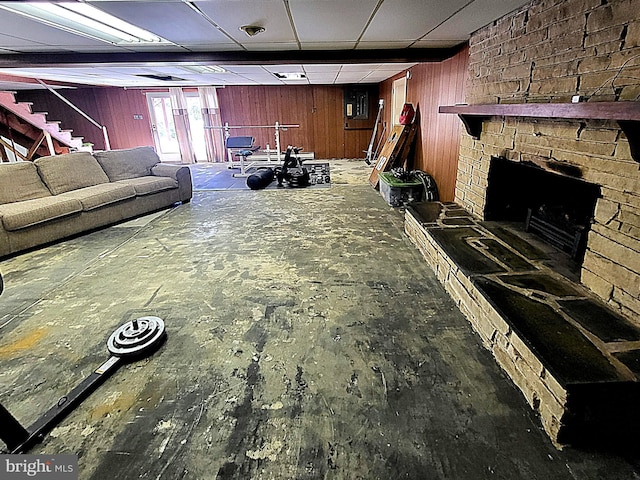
(31, 131)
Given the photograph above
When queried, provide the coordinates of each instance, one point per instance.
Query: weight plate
(137, 337)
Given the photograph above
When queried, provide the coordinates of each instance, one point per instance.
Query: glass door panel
(163, 128)
(196, 125)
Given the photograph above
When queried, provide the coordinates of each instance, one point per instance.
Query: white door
(399, 97)
(162, 126)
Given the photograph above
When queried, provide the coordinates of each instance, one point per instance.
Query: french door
(164, 129)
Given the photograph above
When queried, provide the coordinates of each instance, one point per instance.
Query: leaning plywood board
(390, 150)
(402, 158)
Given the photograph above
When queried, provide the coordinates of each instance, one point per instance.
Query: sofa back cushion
(20, 181)
(129, 163)
(71, 171)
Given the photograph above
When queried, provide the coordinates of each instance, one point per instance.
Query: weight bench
(241, 147)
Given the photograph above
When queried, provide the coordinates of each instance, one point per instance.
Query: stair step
(39, 120)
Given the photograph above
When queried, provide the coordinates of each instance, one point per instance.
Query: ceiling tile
(322, 78)
(230, 15)
(395, 67)
(409, 19)
(316, 21)
(173, 21)
(386, 44)
(474, 16)
(274, 46)
(334, 67)
(377, 77)
(244, 69)
(350, 76)
(360, 67)
(329, 45)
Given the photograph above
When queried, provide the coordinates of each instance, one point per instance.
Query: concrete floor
(307, 339)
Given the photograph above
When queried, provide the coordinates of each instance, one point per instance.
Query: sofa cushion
(25, 214)
(20, 181)
(149, 185)
(129, 163)
(100, 195)
(63, 173)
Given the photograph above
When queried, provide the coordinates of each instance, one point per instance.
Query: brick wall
(548, 51)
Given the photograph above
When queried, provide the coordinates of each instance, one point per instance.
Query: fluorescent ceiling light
(105, 18)
(290, 76)
(83, 19)
(204, 68)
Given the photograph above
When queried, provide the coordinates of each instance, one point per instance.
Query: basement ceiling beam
(405, 55)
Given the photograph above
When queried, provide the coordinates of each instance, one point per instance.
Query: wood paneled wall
(318, 109)
(432, 85)
(113, 107)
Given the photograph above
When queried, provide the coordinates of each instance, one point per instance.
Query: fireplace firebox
(556, 206)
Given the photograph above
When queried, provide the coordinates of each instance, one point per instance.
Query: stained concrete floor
(307, 339)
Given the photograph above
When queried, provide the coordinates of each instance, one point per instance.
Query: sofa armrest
(179, 173)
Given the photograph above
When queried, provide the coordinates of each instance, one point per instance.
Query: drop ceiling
(328, 41)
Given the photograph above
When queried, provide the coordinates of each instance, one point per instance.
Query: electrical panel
(356, 102)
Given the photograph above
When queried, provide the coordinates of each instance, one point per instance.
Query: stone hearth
(576, 361)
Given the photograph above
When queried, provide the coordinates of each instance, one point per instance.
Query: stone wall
(549, 51)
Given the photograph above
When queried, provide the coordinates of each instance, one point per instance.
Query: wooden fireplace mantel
(627, 114)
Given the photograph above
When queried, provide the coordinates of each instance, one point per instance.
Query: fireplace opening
(557, 207)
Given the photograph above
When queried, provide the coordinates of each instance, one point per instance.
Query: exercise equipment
(241, 147)
(318, 173)
(133, 340)
(277, 128)
(261, 179)
(319, 176)
(260, 158)
(292, 170)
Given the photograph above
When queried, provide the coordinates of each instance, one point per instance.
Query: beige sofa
(55, 197)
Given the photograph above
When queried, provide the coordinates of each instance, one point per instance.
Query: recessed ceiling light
(290, 75)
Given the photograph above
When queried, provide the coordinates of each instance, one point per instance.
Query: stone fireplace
(571, 343)
(557, 206)
(546, 53)
(610, 253)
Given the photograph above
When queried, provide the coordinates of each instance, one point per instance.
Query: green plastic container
(397, 193)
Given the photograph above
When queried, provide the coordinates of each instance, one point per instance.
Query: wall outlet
(576, 99)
